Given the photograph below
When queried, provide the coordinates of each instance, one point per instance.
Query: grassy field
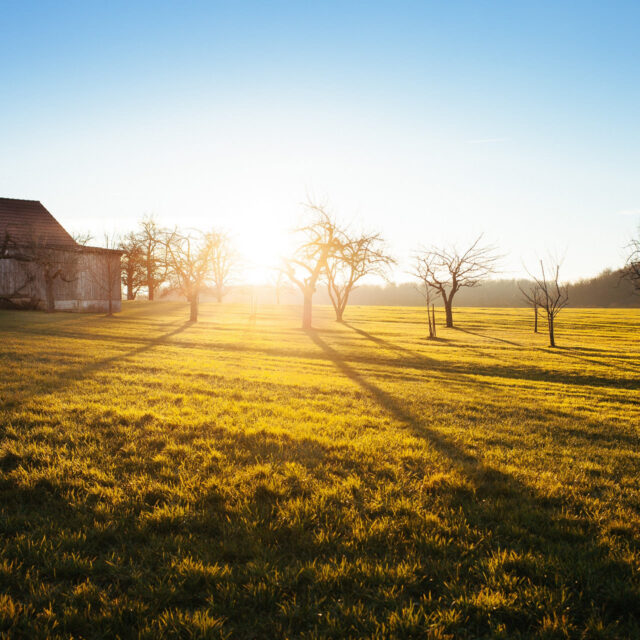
(249, 480)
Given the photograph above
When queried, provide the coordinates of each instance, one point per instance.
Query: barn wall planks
(88, 275)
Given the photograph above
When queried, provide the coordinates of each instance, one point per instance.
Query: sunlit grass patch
(230, 479)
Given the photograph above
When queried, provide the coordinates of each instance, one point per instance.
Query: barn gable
(34, 245)
(24, 220)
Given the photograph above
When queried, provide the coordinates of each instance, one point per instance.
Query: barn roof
(26, 221)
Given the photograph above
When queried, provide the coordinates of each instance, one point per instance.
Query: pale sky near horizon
(431, 122)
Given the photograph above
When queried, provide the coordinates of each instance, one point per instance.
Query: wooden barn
(43, 267)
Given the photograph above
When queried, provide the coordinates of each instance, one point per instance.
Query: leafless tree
(224, 263)
(553, 296)
(134, 274)
(40, 257)
(448, 270)
(534, 296)
(427, 292)
(354, 258)
(280, 284)
(320, 239)
(83, 237)
(21, 292)
(107, 272)
(631, 269)
(190, 257)
(154, 254)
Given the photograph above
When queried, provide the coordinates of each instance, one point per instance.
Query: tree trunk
(448, 313)
(552, 336)
(193, 316)
(150, 283)
(433, 319)
(110, 288)
(535, 320)
(50, 300)
(339, 313)
(130, 294)
(306, 310)
(429, 319)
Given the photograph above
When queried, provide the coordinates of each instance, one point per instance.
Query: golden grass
(252, 480)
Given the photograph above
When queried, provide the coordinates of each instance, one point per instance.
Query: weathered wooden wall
(88, 276)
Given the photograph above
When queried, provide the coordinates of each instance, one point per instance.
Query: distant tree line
(609, 289)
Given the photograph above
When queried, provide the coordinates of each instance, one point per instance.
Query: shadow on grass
(274, 555)
(486, 337)
(517, 518)
(69, 376)
(405, 358)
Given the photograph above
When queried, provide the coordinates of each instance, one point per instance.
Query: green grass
(250, 480)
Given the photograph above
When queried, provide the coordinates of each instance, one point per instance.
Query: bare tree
(319, 241)
(134, 273)
(354, 258)
(446, 271)
(427, 292)
(631, 269)
(82, 237)
(190, 258)
(280, 284)
(154, 254)
(41, 258)
(107, 272)
(224, 263)
(534, 296)
(20, 292)
(553, 296)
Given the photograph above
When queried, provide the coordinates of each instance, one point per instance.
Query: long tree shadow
(486, 337)
(379, 341)
(516, 517)
(69, 376)
(569, 352)
(407, 358)
(420, 361)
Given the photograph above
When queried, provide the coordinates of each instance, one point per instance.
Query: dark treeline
(606, 290)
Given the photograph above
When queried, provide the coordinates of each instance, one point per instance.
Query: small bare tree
(107, 271)
(533, 295)
(446, 271)
(133, 264)
(320, 239)
(20, 293)
(354, 258)
(279, 283)
(427, 291)
(83, 237)
(631, 269)
(189, 258)
(553, 296)
(224, 263)
(42, 258)
(151, 238)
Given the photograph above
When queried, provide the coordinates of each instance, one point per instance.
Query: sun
(262, 252)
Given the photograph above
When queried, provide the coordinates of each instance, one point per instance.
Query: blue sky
(431, 122)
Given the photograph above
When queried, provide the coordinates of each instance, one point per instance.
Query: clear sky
(428, 121)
